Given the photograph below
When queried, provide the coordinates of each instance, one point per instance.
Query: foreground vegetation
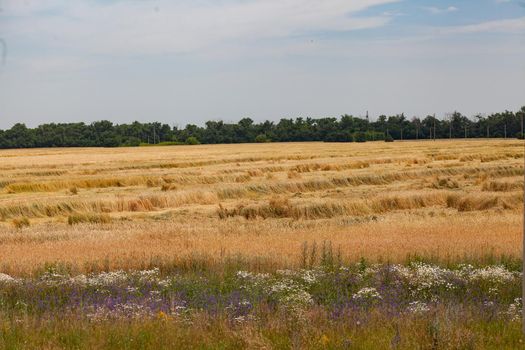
(361, 306)
(346, 129)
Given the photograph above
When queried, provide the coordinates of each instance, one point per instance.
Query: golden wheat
(137, 207)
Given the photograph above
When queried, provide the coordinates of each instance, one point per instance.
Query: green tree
(192, 140)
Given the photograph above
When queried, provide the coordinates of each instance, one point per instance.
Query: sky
(189, 61)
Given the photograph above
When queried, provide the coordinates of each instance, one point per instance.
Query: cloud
(437, 10)
(162, 26)
(508, 26)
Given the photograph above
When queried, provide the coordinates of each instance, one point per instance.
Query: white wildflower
(80, 280)
(244, 274)
(418, 307)
(240, 319)
(514, 310)
(287, 273)
(6, 278)
(165, 283)
(309, 276)
(300, 298)
(121, 311)
(52, 278)
(148, 275)
(488, 303)
(495, 274)
(367, 294)
(290, 294)
(107, 278)
(245, 303)
(131, 289)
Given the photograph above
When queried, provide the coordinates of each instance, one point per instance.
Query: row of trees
(344, 129)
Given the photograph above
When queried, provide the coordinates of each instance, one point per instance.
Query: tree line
(347, 128)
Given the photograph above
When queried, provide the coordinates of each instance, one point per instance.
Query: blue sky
(185, 62)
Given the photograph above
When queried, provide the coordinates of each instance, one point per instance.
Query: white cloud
(437, 10)
(157, 27)
(509, 26)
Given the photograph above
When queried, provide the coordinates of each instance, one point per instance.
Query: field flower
(161, 315)
(52, 278)
(180, 310)
(287, 273)
(148, 275)
(514, 310)
(131, 290)
(6, 278)
(290, 294)
(105, 279)
(80, 280)
(418, 307)
(367, 294)
(494, 274)
(298, 299)
(252, 281)
(244, 274)
(310, 276)
(425, 280)
(121, 311)
(165, 283)
(369, 271)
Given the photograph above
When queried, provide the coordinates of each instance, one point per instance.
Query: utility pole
(434, 126)
(522, 113)
(505, 128)
(449, 117)
(154, 136)
(367, 125)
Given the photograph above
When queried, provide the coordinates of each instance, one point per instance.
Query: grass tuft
(76, 219)
(20, 223)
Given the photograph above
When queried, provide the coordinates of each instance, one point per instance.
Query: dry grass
(132, 208)
(502, 186)
(20, 223)
(88, 218)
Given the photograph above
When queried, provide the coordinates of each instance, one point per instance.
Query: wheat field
(259, 204)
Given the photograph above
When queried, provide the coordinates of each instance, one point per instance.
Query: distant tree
(360, 136)
(131, 142)
(345, 129)
(192, 140)
(262, 138)
(339, 136)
